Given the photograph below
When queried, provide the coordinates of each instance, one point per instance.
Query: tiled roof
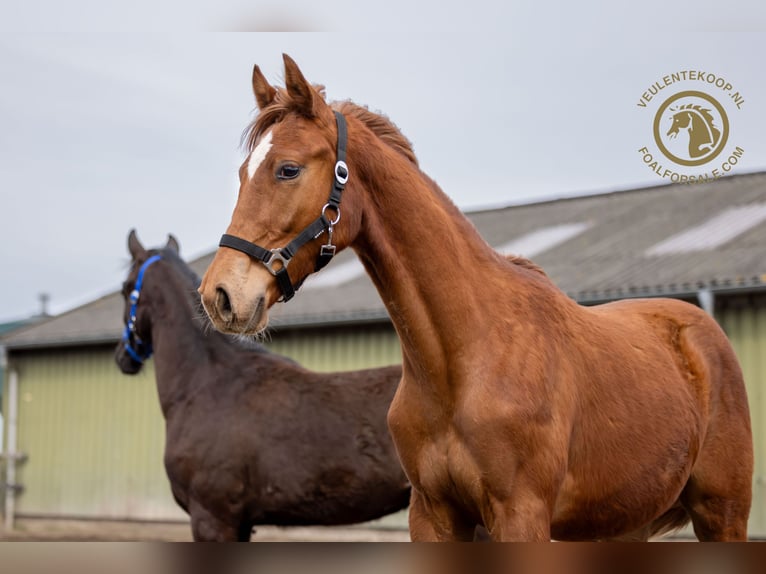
(596, 248)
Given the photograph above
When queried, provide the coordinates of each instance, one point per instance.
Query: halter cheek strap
(276, 260)
(134, 346)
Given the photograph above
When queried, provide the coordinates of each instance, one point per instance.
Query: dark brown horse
(518, 409)
(252, 437)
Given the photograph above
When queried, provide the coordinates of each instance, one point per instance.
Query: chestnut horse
(518, 409)
(251, 437)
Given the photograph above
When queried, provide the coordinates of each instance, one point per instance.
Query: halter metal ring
(341, 172)
(276, 255)
(337, 211)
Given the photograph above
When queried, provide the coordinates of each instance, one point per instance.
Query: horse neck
(177, 338)
(700, 132)
(437, 276)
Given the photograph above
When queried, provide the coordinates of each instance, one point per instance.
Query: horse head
(681, 121)
(136, 343)
(703, 135)
(282, 212)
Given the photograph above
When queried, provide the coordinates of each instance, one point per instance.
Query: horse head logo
(699, 123)
(702, 118)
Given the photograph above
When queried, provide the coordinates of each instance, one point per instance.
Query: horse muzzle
(240, 320)
(237, 303)
(127, 364)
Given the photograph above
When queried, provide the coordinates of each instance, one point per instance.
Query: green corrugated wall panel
(339, 349)
(744, 320)
(94, 437)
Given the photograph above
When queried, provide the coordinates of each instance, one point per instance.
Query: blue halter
(135, 347)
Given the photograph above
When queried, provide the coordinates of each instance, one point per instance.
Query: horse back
(699, 347)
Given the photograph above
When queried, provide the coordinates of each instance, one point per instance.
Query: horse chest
(432, 453)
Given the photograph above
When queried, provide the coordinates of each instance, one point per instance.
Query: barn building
(92, 439)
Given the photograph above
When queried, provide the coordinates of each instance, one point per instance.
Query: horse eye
(288, 171)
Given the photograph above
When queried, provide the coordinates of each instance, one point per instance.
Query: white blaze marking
(258, 155)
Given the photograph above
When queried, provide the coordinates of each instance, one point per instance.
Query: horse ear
(264, 92)
(135, 248)
(172, 244)
(307, 100)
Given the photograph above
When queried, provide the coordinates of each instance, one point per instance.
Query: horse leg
(716, 515)
(431, 522)
(718, 493)
(519, 498)
(523, 517)
(208, 528)
(718, 502)
(640, 535)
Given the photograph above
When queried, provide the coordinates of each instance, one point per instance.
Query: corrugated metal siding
(744, 320)
(94, 437)
(339, 349)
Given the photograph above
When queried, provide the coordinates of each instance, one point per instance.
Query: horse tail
(674, 519)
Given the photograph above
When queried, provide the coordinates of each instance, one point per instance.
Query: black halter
(283, 255)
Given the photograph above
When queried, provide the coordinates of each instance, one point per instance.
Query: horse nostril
(223, 304)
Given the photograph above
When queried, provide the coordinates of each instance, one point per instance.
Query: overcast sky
(504, 102)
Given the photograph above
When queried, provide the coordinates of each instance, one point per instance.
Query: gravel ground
(97, 530)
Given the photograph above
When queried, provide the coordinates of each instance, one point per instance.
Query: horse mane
(377, 123)
(704, 112)
(180, 264)
(525, 263)
(381, 126)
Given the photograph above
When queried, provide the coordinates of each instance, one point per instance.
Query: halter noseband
(135, 347)
(283, 255)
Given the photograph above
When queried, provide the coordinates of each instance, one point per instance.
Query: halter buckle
(276, 255)
(327, 250)
(341, 172)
